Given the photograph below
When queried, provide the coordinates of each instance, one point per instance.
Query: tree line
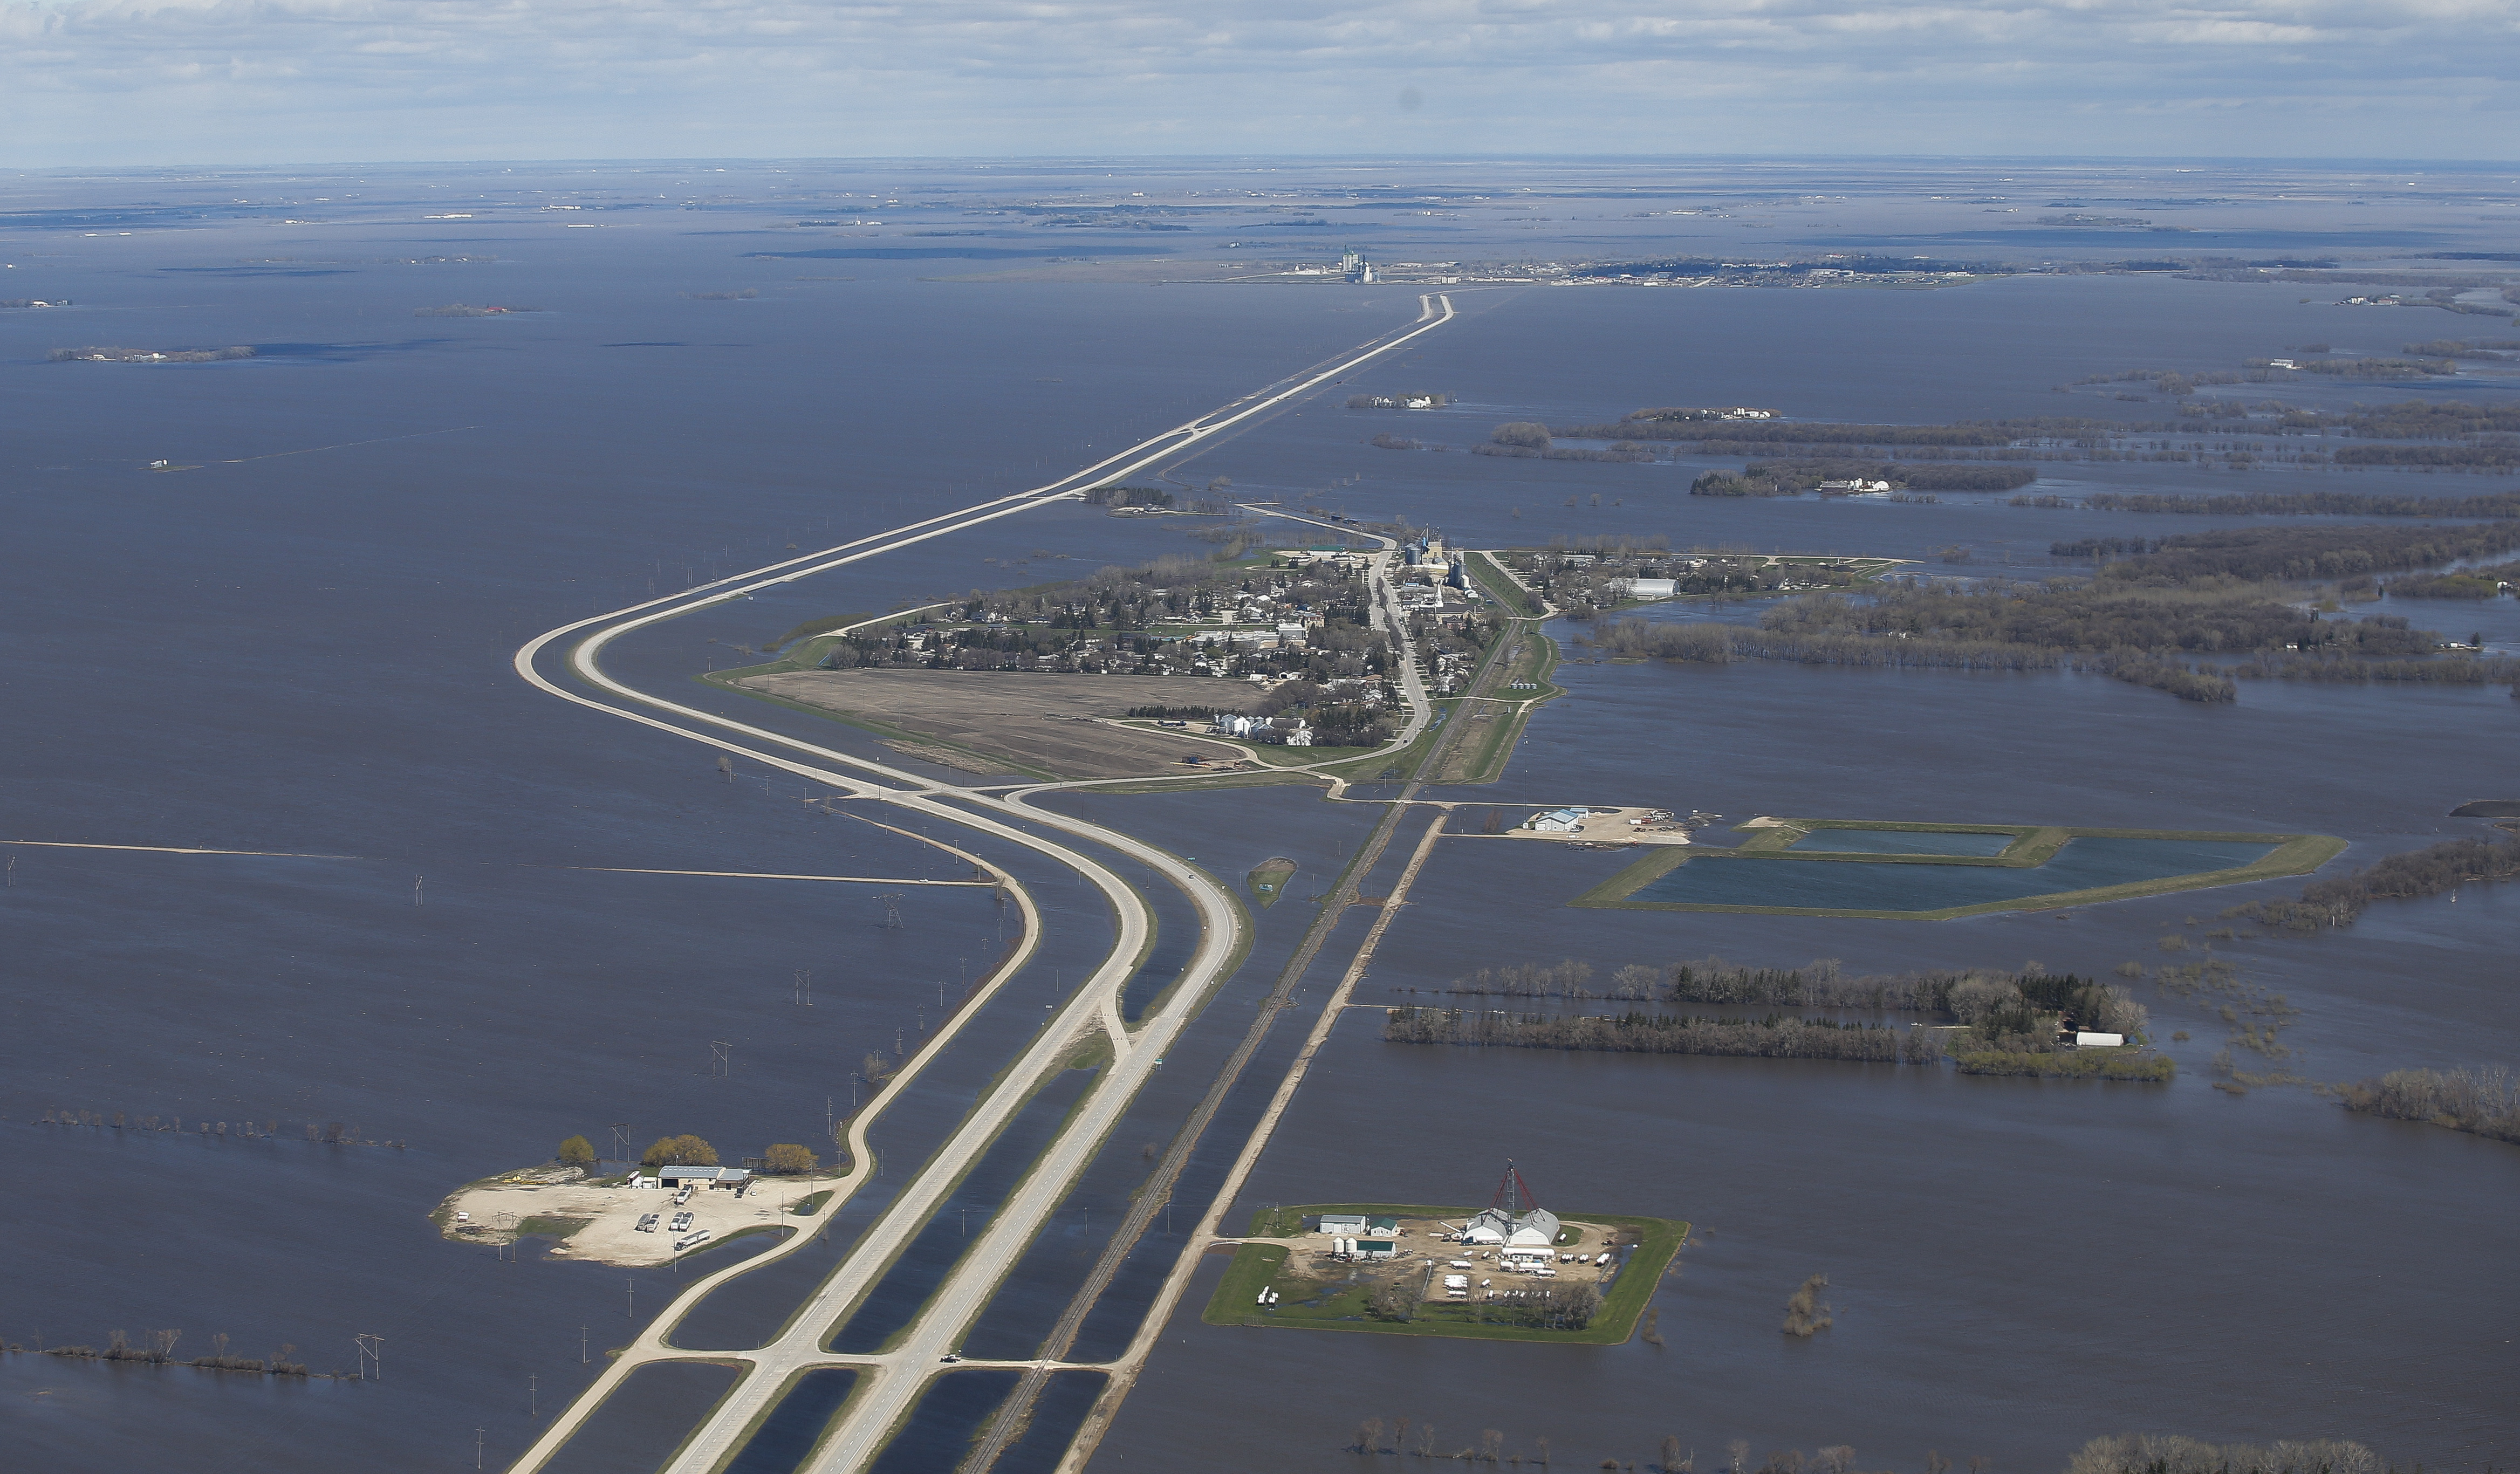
(2501, 504)
(2483, 1102)
(1713, 643)
(782, 1159)
(1974, 996)
(2291, 553)
(2410, 875)
(1776, 1037)
(2458, 583)
(1792, 477)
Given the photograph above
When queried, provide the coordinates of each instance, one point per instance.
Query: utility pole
(630, 1293)
(416, 882)
(533, 1399)
(721, 1057)
(581, 1344)
(622, 1140)
(371, 1353)
(477, 1448)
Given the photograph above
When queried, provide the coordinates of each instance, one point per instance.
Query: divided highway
(568, 664)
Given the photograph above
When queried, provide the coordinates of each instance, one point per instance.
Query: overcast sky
(278, 81)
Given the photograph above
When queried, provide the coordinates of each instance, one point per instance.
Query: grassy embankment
(1268, 881)
(2292, 855)
(1259, 1265)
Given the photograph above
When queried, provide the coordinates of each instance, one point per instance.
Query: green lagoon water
(1903, 842)
(1863, 885)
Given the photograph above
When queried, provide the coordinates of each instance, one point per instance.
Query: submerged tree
(1804, 1316)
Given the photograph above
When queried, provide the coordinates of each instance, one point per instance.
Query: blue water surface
(1903, 842)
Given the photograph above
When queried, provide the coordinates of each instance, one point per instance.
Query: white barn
(1494, 1225)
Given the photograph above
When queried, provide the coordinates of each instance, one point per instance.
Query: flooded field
(330, 870)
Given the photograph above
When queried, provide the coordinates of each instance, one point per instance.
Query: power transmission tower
(371, 1353)
(416, 882)
(721, 1057)
(621, 1141)
(804, 988)
(892, 910)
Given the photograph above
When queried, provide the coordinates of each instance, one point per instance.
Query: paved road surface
(895, 1378)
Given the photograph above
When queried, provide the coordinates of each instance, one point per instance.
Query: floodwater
(293, 646)
(645, 1418)
(2083, 863)
(795, 1424)
(1903, 842)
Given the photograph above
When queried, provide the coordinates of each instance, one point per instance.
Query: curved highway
(568, 664)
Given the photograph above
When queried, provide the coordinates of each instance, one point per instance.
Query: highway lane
(897, 1377)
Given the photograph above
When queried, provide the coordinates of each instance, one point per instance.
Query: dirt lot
(494, 1210)
(1611, 825)
(1426, 1258)
(1026, 720)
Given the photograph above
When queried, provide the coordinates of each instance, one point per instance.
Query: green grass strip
(2292, 855)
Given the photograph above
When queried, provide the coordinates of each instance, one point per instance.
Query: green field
(2033, 845)
(1257, 1265)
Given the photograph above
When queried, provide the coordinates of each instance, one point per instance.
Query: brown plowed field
(1021, 718)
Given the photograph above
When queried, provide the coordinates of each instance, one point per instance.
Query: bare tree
(1369, 1436)
(1739, 1450)
(1804, 1315)
(1672, 1461)
(1935, 1463)
(1836, 1458)
(1491, 1445)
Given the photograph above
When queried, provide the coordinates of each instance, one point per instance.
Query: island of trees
(2449, 435)
(2458, 583)
(2191, 615)
(2010, 1023)
(147, 355)
(2484, 1101)
(1794, 478)
(459, 309)
(1417, 400)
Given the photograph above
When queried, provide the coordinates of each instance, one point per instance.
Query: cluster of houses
(1291, 732)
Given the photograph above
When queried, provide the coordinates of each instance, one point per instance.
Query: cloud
(85, 81)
